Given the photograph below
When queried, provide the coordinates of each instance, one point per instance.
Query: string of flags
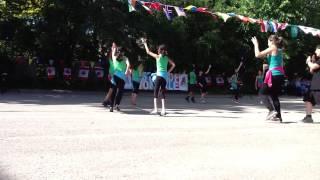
(265, 25)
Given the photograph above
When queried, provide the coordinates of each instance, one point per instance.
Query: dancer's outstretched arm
(257, 52)
(208, 70)
(154, 55)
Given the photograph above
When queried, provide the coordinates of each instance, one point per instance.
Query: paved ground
(69, 136)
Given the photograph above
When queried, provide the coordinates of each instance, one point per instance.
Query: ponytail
(277, 40)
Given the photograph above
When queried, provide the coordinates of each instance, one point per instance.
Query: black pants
(236, 93)
(160, 86)
(117, 91)
(271, 94)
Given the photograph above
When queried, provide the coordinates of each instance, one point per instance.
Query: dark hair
(278, 41)
(162, 49)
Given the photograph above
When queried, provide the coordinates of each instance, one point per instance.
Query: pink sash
(268, 78)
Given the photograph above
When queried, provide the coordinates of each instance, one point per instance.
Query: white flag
(180, 11)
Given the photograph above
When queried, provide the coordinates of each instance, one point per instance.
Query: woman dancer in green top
(107, 99)
(121, 70)
(259, 81)
(192, 84)
(274, 77)
(136, 74)
(162, 61)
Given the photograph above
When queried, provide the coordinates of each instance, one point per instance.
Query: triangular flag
(310, 30)
(169, 11)
(224, 16)
(153, 5)
(294, 32)
(147, 8)
(132, 5)
(201, 9)
(180, 11)
(191, 8)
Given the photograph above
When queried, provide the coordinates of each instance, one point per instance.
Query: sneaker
(276, 119)
(117, 108)
(154, 112)
(163, 113)
(236, 101)
(307, 119)
(105, 103)
(187, 99)
(192, 100)
(271, 115)
(111, 109)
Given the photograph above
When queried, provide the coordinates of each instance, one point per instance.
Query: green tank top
(135, 75)
(120, 65)
(111, 68)
(192, 77)
(276, 61)
(162, 64)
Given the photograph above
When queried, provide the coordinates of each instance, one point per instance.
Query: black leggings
(236, 93)
(271, 94)
(117, 91)
(160, 85)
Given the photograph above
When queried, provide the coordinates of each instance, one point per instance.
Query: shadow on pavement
(175, 102)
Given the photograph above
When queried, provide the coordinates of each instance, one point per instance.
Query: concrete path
(55, 135)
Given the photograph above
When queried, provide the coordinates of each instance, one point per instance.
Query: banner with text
(177, 82)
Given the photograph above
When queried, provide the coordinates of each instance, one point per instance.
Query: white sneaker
(154, 112)
(271, 115)
(163, 113)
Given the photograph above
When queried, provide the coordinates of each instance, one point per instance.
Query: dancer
(203, 84)
(192, 84)
(234, 81)
(259, 81)
(121, 70)
(162, 61)
(313, 96)
(136, 74)
(107, 99)
(274, 77)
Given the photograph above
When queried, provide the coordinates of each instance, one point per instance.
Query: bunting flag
(191, 8)
(67, 73)
(169, 11)
(307, 30)
(180, 11)
(274, 26)
(147, 8)
(173, 11)
(294, 31)
(224, 16)
(201, 9)
(132, 5)
(153, 5)
(282, 26)
(262, 26)
(51, 72)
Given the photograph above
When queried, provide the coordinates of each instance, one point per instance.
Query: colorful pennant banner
(265, 25)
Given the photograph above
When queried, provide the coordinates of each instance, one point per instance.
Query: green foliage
(77, 29)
